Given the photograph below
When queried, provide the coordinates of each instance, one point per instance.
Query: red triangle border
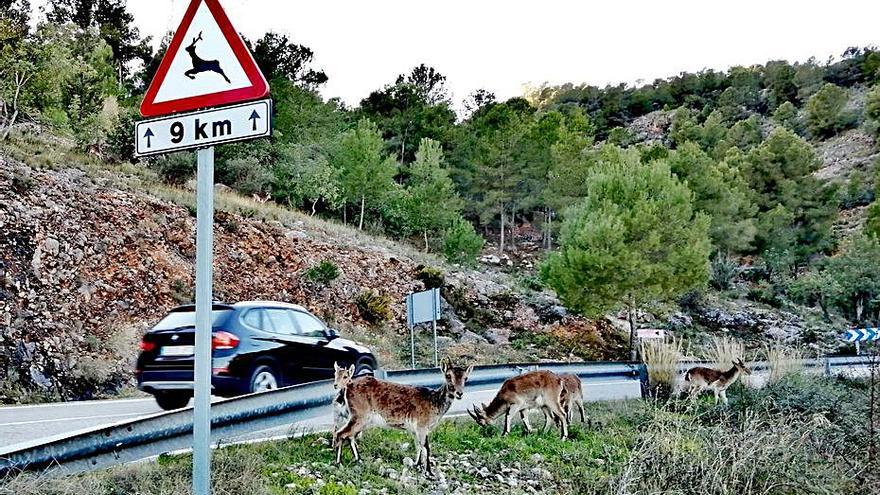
(259, 88)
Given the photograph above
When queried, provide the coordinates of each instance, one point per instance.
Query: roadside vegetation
(798, 435)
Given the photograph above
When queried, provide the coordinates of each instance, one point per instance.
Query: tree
(780, 174)
(849, 282)
(279, 58)
(872, 107)
(301, 116)
(79, 12)
(872, 226)
(478, 100)
(416, 106)
(779, 78)
(14, 18)
(825, 112)
(430, 84)
(303, 174)
(635, 239)
(496, 152)
(721, 193)
(366, 172)
(114, 23)
(432, 197)
(786, 115)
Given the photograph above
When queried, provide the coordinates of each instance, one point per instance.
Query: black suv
(256, 346)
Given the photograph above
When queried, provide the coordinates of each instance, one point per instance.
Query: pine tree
(366, 173)
(433, 202)
(634, 239)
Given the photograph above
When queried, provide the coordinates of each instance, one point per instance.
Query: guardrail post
(643, 378)
(381, 374)
(827, 367)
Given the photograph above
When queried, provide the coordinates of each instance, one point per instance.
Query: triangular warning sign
(206, 65)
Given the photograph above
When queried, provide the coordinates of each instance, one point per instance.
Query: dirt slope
(86, 267)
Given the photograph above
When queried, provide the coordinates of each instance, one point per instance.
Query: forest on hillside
(626, 221)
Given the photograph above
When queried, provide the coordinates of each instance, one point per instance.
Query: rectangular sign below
(650, 333)
(205, 128)
(423, 307)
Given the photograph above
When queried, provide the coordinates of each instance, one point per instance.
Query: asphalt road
(27, 424)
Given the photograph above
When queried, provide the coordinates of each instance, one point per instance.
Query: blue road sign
(868, 334)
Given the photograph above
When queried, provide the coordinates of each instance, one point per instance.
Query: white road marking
(75, 403)
(71, 418)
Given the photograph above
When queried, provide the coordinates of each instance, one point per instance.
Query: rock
(498, 336)
(679, 321)
(491, 259)
(222, 189)
(275, 223)
(472, 338)
(409, 462)
(39, 378)
(51, 246)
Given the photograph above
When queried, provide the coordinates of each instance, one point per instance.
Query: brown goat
(533, 390)
(700, 379)
(572, 395)
(416, 409)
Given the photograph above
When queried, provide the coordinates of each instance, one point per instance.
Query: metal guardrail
(150, 436)
(829, 365)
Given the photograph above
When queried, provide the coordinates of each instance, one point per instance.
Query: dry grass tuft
(662, 358)
(723, 351)
(783, 362)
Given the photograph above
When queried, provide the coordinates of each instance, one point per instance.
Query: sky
(503, 45)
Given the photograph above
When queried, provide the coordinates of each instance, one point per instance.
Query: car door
(321, 355)
(283, 329)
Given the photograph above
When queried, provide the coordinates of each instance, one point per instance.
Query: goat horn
(473, 413)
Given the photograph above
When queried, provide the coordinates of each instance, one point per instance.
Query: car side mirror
(331, 334)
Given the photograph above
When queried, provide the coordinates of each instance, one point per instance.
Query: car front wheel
(263, 378)
(172, 399)
(364, 367)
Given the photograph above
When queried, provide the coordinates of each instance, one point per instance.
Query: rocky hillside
(87, 263)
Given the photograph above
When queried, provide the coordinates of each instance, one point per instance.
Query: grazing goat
(572, 395)
(416, 409)
(533, 390)
(700, 379)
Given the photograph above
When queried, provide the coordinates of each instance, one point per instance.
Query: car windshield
(178, 319)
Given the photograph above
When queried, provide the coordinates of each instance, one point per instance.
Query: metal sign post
(422, 307)
(228, 78)
(434, 309)
(204, 303)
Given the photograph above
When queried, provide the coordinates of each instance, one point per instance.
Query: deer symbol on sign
(200, 65)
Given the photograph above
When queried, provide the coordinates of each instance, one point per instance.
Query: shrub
(374, 307)
(787, 116)
(432, 277)
(724, 270)
(825, 111)
(323, 273)
(175, 168)
(461, 243)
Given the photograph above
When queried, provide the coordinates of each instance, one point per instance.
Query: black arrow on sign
(149, 134)
(253, 118)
